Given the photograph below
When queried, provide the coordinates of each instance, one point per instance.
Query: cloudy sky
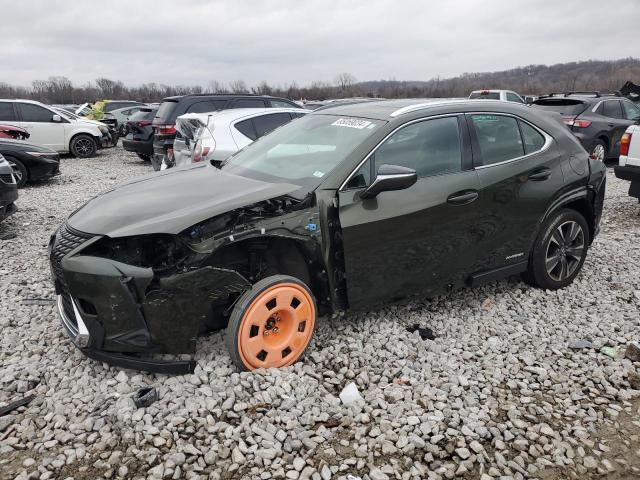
(195, 41)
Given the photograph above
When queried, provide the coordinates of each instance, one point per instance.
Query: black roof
(221, 95)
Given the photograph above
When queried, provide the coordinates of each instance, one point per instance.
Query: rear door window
(249, 103)
(498, 138)
(7, 113)
(611, 109)
(35, 113)
(266, 123)
(246, 128)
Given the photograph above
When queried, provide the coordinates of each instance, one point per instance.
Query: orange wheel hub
(277, 327)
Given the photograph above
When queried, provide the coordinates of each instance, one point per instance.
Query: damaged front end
(125, 300)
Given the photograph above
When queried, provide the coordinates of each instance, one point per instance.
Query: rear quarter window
(564, 106)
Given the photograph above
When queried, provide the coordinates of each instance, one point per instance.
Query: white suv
(628, 167)
(207, 137)
(48, 128)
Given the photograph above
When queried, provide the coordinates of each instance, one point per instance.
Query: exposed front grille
(66, 240)
(6, 178)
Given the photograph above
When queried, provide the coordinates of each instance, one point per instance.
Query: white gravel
(498, 394)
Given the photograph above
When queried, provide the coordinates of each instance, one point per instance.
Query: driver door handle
(541, 174)
(462, 198)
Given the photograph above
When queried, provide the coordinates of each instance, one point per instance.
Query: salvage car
(48, 128)
(29, 162)
(345, 208)
(628, 167)
(8, 190)
(139, 139)
(597, 119)
(214, 137)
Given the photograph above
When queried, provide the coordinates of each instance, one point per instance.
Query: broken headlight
(157, 251)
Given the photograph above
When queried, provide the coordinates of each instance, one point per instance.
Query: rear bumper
(627, 172)
(137, 146)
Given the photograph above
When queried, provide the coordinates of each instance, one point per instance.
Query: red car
(15, 133)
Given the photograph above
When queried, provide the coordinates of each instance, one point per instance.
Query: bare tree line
(532, 79)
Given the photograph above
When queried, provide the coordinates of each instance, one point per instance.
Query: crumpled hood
(171, 201)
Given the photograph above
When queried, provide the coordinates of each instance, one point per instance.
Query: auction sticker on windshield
(352, 123)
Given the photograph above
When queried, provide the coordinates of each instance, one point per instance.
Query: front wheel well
(604, 139)
(7, 157)
(260, 257)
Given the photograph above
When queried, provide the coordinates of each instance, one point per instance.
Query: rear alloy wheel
(272, 324)
(560, 252)
(83, 146)
(20, 172)
(598, 151)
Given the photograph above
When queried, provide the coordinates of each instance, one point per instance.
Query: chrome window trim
(548, 139)
(373, 150)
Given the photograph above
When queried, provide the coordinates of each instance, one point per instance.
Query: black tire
(599, 151)
(144, 156)
(83, 146)
(559, 251)
(20, 172)
(302, 330)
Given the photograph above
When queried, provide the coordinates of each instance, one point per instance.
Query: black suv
(344, 208)
(139, 133)
(172, 107)
(597, 119)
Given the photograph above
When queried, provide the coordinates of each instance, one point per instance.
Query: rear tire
(599, 151)
(83, 146)
(20, 172)
(559, 251)
(272, 324)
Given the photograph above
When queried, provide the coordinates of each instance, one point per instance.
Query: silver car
(213, 137)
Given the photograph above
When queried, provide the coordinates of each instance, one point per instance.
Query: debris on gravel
(504, 391)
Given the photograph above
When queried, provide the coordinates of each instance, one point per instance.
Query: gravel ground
(506, 390)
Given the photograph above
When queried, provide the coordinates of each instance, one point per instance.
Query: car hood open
(171, 201)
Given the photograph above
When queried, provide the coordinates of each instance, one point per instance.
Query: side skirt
(486, 276)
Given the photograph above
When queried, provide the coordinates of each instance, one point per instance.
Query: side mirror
(56, 118)
(390, 177)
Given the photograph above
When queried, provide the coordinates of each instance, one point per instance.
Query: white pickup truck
(628, 167)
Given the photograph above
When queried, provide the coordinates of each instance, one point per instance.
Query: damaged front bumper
(119, 313)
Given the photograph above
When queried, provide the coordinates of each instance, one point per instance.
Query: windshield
(303, 151)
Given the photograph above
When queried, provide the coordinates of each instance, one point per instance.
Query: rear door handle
(539, 175)
(611, 124)
(462, 198)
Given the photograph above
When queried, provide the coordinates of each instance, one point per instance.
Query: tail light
(574, 122)
(200, 154)
(625, 141)
(169, 129)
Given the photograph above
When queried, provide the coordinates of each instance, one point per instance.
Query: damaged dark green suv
(346, 208)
